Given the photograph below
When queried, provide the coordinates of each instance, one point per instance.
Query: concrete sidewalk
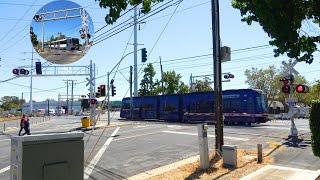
(280, 172)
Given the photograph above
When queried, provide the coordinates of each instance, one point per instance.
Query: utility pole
(131, 93)
(217, 74)
(72, 82)
(31, 103)
(67, 96)
(42, 20)
(135, 52)
(161, 76)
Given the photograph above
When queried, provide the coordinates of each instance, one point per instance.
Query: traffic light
(93, 101)
(24, 71)
(144, 55)
(102, 90)
(228, 76)
(302, 88)
(38, 68)
(97, 94)
(113, 90)
(85, 103)
(15, 71)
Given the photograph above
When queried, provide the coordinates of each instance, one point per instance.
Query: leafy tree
(172, 84)
(116, 7)
(283, 20)
(265, 79)
(34, 39)
(147, 84)
(9, 102)
(203, 85)
(61, 36)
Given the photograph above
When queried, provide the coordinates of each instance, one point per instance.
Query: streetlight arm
(121, 60)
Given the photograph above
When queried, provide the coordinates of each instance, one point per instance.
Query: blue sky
(187, 34)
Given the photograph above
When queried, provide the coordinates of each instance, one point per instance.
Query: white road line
(96, 158)
(4, 169)
(283, 128)
(195, 134)
(5, 140)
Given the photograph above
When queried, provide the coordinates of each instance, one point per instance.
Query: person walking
(26, 127)
(22, 122)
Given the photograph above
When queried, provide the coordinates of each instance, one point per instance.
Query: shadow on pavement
(107, 174)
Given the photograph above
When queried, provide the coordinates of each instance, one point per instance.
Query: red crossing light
(286, 89)
(15, 71)
(93, 101)
(302, 88)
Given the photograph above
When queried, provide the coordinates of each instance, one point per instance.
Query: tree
(203, 85)
(172, 84)
(282, 20)
(265, 79)
(34, 39)
(147, 84)
(116, 7)
(9, 102)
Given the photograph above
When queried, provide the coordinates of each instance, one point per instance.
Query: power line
(18, 21)
(119, 30)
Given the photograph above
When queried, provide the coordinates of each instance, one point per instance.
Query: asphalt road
(143, 146)
(58, 58)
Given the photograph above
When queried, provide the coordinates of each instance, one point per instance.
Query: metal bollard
(203, 146)
(4, 127)
(259, 153)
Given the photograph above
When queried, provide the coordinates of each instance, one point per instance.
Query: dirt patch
(217, 171)
(9, 119)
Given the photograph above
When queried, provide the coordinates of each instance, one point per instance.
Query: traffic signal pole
(217, 75)
(31, 103)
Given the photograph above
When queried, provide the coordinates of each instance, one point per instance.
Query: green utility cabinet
(47, 157)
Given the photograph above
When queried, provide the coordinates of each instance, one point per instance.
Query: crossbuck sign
(289, 67)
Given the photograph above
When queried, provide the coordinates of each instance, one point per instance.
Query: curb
(100, 126)
(15, 128)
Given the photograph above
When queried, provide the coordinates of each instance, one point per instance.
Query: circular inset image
(62, 32)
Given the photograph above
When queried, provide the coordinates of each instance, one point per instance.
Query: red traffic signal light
(102, 90)
(302, 88)
(228, 76)
(15, 71)
(286, 89)
(93, 101)
(287, 80)
(83, 36)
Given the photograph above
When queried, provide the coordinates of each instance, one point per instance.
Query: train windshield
(261, 102)
(75, 41)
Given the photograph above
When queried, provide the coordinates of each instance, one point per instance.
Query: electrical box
(225, 53)
(229, 153)
(47, 157)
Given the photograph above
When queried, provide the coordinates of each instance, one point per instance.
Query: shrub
(314, 123)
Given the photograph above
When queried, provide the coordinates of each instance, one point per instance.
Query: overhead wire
(128, 25)
(17, 22)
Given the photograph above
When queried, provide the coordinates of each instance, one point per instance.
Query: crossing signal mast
(289, 86)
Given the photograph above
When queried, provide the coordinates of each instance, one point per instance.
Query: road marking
(174, 126)
(4, 169)
(5, 140)
(196, 134)
(97, 157)
(141, 126)
(283, 128)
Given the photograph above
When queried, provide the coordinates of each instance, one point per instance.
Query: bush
(314, 123)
